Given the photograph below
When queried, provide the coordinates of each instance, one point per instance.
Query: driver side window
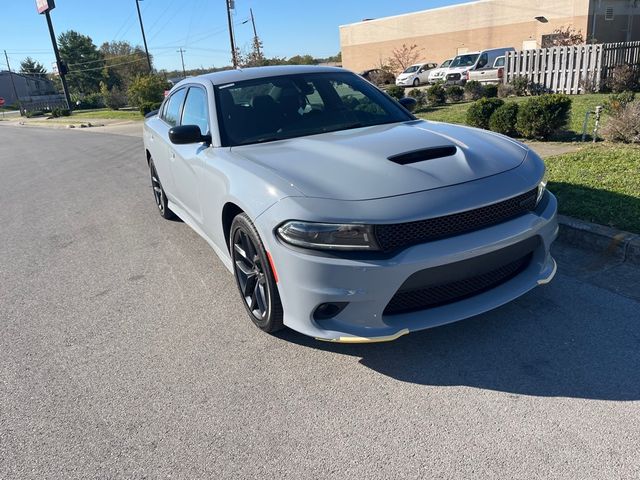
(196, 111)
(483, 61)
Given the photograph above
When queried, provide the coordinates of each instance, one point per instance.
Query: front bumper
(308, 279)
(405, 82)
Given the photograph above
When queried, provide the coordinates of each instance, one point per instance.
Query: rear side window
(499, 62)
(171, 113)
(195, 110)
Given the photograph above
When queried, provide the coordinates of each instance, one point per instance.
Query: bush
(520, 85)
(454, 93)
(617, 101)
(540, 117)
(147, 89)
(473, 90)
(624, 126)
(480, 112)
(88, 102)
(60, 112)
(147, 107)
(490, 91)
(504, 119)
(419, 96)
(396, 92)
(436, 94)
(506, 90)
(114, 98)
(623, 78)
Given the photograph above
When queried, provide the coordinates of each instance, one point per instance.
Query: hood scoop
(423, 154)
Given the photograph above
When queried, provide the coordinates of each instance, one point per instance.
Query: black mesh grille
(436, 295)
(400, 235)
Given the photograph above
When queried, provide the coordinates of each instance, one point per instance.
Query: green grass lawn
(580, 104)
(105, 113)
(599, 184)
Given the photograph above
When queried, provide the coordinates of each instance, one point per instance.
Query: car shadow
(528, 347)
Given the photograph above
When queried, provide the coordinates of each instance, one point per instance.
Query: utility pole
(13, 83)
(255, 33)
(234, 57)
(144, 37)
(62, 68)
(182, 52)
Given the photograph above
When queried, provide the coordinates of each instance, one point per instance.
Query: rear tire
(254, 277)
(158, 194)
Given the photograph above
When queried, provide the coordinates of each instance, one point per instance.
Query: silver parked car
(338, 212)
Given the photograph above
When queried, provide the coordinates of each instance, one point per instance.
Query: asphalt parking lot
(125, 353)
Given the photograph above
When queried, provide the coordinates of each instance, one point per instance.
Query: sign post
(44, 8)
(2, 102)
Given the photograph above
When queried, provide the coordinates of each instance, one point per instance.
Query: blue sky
(286, 27)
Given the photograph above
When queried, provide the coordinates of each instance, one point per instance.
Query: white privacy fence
(566, 69)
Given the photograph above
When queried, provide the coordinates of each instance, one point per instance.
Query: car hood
(354, 164)
(402, 76)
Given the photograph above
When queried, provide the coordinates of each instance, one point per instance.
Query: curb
(619, 244)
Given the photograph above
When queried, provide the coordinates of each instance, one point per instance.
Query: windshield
(276, 108)
(446, 63)
(412, 68)
(465, 60)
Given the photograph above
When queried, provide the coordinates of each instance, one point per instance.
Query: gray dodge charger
(339, 213)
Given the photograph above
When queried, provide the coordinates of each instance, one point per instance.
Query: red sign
(1, 101)
(45, 6)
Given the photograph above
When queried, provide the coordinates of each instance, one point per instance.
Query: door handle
(172, 156)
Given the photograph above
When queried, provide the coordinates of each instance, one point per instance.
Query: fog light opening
(325, 311)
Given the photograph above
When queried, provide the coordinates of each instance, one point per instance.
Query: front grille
(454, 76)
(399, 235)
(436, 295)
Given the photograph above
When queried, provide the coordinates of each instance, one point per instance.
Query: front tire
(158, 194)
(416, 82)
(254, 277)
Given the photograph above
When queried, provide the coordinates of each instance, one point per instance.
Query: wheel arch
(230, 210)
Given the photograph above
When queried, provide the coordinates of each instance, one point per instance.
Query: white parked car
(415, 75)
(437, 74)
(457, 72)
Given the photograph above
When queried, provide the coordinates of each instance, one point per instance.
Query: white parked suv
(437, 74)
(415, 75)
(462, 64)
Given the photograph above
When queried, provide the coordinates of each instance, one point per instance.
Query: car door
(163, 154)
(187, 160)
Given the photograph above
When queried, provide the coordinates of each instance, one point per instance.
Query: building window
(608, 14)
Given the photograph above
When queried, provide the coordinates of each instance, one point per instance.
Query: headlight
(328, 236)
(542, 187)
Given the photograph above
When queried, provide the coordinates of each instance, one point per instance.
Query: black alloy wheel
(254, 277)
(158, 193)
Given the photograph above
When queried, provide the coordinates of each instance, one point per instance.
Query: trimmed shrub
(473, 90)
(454, 93)
(114, 98)
(396, 92)
(506, 90)
(520, 85)
(624, 125)
(480, 112)
(88, 102)
(617, 101)
(419, 96)
(436, 94)
(504, 119)
(60, 112)
(540, 117)
(490, 91)
(623, 78)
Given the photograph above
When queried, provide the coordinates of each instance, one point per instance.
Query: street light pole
(234, 58)
(62, 68)
(144, 37)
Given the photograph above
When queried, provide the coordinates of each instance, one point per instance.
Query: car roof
(240, 74)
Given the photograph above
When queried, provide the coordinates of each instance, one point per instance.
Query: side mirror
(186, 134)
(408, 103)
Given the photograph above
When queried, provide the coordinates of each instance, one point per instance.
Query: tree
(302, 60)
(83, 60)
(403, 57)
(147, 90)
(123, 63)
(563, 37)
(255, 58)
(30, 67)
